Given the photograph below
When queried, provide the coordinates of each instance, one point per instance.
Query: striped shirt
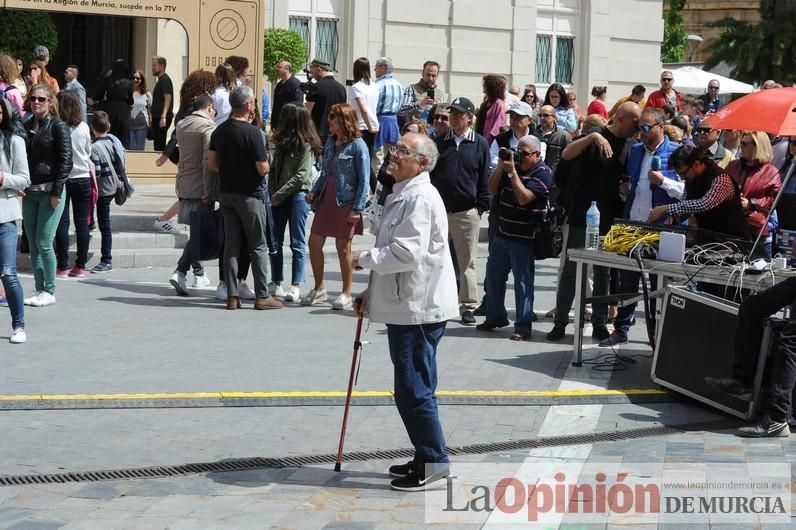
(390, 94)
(519, 222)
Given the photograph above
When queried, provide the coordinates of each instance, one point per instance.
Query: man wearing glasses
(553, 138)
(521, 184)
(667, 95)
(646, 189)
(708, 141)
(711, 98)
(441, 124)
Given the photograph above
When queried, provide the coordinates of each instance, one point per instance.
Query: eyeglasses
(400, 150)
(683, 170)
(704, 130)
(745, 143)
(38, 99)
(667, 79)
(547, 115)
(713, 88)
(440, 117)
(648, 127)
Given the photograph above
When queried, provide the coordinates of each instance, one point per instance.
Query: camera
(506, 153)
(305, 86)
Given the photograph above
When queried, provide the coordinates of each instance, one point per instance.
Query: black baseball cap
(463, 105)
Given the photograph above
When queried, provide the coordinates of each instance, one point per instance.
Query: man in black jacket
(287, 90)
(461, 176)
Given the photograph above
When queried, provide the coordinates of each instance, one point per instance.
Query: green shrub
(282, 45)
(23, 30)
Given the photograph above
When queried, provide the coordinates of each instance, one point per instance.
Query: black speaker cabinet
(696, 339)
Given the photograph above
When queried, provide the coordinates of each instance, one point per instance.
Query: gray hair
(386, 62)
(427, 149)
(240, 97)
(656, 113)
(532, 141)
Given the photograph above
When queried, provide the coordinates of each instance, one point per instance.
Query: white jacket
(16, 179)
(412, 280)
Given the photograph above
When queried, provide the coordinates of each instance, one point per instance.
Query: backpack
(16, 118)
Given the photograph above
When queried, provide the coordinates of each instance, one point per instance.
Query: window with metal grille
(565, 59)
(301, 25)
(544, 57)
(326, 41)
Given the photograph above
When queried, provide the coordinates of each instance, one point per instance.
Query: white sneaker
(177, 281)
(29, 300)
(244, 292)
(221, 292)
(167, 226)
(44, 299)
(293, 294)
(342, 302)
(18, 336)
(275, 289)
(201, 281)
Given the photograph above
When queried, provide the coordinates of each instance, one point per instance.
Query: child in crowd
(109, 162)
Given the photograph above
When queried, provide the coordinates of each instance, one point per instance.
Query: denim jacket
(351, 173)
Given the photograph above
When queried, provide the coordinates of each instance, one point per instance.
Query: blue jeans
(78, 192)
(138, 139)
(293, 213)
(515, 256)
(629, 283)
(413, 350)
(8, 273)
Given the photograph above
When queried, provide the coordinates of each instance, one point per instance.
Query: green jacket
(290, 174)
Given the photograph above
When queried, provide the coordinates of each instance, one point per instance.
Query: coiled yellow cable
(622, 238)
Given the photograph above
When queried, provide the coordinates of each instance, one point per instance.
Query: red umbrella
(772, 111)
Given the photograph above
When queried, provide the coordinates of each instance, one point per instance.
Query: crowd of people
(418, 170)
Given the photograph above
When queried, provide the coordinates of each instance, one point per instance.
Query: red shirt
(658, 99)
(597, 107)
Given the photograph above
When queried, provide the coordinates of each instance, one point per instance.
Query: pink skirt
(332, 220)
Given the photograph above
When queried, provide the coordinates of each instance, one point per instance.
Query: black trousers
(751, 315)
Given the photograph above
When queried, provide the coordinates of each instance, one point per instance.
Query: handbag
(120, 197)
(207, 234)
(549, 239)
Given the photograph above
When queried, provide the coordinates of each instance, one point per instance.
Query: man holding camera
(521, 184)
(322, 94)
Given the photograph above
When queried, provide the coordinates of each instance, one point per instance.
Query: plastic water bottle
(593, 227)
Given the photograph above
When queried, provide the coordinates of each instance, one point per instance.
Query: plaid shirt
(721, 189)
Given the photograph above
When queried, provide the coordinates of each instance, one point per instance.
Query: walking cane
(351, 382)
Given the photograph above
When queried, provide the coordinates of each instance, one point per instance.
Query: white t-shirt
(221, 103)
(370, 93)
(81, 151)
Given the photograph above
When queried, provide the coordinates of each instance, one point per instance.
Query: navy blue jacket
(659, 196)
(462, 173)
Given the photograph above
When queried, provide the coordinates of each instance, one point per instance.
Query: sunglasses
(704, 130)
(647, 127)
(440, 117)
(547, 115)
(667, 79)
(38, 99)
(713, 88)
(745, 143)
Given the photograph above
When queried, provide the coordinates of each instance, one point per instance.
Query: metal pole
(785, 181)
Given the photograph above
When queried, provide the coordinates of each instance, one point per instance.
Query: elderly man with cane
(412, 289)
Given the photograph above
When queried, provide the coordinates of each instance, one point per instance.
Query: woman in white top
(14, 178)
(225, 77)
(140, 113)
(78, 189)
(364, 98)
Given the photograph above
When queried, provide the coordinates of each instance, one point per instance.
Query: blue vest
(637, 152)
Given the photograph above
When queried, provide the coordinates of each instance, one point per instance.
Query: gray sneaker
(315, 297)
(766, 428)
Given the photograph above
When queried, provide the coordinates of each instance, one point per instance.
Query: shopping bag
(207, 234)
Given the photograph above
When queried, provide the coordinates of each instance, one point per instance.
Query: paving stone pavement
(127, 332)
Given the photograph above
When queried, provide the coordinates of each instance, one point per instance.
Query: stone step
(135, 240)
(124, 258)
